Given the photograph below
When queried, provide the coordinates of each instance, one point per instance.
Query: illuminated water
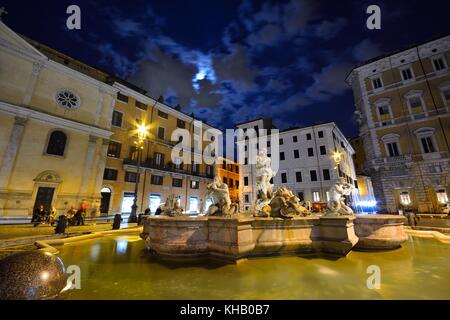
(119, 267)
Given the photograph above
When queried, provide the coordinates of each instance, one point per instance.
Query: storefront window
(155, 202)
(405, 199)
(442, 196)
(127, 202)
(193, 204)
(316, 196)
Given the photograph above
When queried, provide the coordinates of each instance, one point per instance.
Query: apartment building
(160, 175)
(402, 104)
(306, 160)
(229, 172)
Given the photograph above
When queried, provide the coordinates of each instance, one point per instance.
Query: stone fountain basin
(241, 237)
(379, 231)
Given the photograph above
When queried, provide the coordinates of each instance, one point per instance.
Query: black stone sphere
(31, 275)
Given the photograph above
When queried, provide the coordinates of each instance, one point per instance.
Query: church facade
(54, 126)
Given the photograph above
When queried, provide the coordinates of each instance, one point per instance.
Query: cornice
(19, 111)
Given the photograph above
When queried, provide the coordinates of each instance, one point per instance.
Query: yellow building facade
(229, 173)
(160, 174)
(402, 105)
(54, 127)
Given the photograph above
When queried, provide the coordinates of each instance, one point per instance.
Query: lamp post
(141, 136)
(337, 157)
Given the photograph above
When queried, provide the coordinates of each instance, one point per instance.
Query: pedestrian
(79, 216)
(71, 215)
(52, 216)
(38, 213)
(412, 220)
(147, 211)
(158, 211)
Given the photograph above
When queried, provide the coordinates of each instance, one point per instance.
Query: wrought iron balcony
(150, 163)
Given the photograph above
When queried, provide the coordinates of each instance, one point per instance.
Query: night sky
(231, 61)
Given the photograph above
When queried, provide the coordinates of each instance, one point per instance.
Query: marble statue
(337, 193)
(264, 173)
(221, 205)
(285, 204)
(171, 207)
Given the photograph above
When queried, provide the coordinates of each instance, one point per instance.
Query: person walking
(79, 216)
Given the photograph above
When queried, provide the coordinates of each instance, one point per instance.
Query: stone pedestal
(177, 237)
(277, 235)
(230, 238)
(335, 235)
(379, 231)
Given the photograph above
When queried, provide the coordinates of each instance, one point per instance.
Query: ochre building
(402, 105)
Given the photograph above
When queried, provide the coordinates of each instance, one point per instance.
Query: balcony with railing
(150, 163)
(407, 159)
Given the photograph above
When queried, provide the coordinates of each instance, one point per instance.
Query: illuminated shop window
(405, 198)
(193, 204)
(155, 202)
(316, 196)
(441, 195)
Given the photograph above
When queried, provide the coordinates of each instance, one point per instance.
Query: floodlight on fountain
(367, 203)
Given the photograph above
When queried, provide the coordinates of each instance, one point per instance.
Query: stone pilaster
(9, 157)
(37, 67)
(101, 166)
(88, 162)
(99, 111)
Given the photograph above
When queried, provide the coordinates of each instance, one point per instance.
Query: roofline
(309, 126)
(385, 55)
(111, 80)
(257, 119)
(150, 100)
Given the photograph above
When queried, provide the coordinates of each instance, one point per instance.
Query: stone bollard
(61, 224)
(117, 221)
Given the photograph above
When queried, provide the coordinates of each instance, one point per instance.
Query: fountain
(279, 224)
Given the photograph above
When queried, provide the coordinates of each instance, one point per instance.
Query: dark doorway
(106, 197)
(44, 196)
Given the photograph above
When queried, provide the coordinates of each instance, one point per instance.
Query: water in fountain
(363, 205)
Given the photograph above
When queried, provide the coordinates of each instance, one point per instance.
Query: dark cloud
(237, 81)
(365, 50)
(329, 29)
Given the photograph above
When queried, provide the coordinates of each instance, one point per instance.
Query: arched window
(57, 143)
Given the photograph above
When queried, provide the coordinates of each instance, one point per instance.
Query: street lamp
(337, 157)
(142, 132)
